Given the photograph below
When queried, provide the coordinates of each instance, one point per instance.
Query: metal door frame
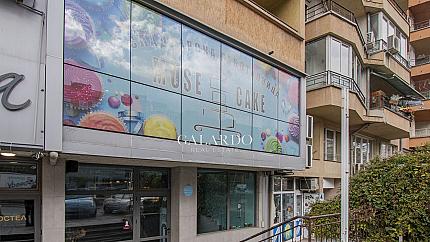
(137, 194)
(19, 195)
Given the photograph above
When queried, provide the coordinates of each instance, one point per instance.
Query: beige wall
(241, 21)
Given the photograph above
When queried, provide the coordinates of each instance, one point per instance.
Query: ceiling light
(8, 154)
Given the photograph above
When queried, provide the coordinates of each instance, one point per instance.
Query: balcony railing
(399, 9)
(381, 102)
(331, 6)
(380, 45)
(330, 78)
(422, 60)
(422, 132)
(421, 25)
(376, 46)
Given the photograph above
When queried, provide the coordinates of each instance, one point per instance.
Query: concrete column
(52, 204)
(183, 208)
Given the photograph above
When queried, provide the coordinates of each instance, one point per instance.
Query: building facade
(420, 73)
(363, 46)
(148, 120)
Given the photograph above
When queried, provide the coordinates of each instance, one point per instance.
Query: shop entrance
(19, 218)
(19, 201)
(116, 203)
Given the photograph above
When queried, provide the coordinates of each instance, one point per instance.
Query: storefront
(19, 200)
(117, 203)
(140, 123)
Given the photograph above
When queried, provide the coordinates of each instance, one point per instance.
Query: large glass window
(155, 49)
(225, 200)
(18, 175)
(316, 57)
(130, 69)
(155, 116)
(99, 204)
(283, 199)
(98, 36)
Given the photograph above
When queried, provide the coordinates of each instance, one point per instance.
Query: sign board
(311, 198)
(21, 79)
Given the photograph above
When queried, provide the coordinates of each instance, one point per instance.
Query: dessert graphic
(114, 102)
(79, 27)
(294, 128)
(159, 126)
(82, 88)
(273, 145)
(102, 120)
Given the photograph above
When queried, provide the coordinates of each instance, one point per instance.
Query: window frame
(228, 199)
(326, 130)
(38, 175)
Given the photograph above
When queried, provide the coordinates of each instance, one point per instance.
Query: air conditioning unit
(308, 184)
(393, 44)
(309, 156)
(309, 127)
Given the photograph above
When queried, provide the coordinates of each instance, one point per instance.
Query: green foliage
(388, 199)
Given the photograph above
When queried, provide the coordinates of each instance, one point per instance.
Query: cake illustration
(82, 88)
(102, 120)
(79, 27)
(272, 145)
(294, 128)
(159, 126)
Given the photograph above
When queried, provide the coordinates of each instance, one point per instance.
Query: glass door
(19, 219)
(153, 218)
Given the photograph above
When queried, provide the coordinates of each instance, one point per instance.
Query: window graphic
(130, 69)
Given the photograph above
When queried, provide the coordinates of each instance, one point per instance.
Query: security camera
(53, 157)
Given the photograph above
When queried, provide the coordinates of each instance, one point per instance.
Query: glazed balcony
(330, 18)
(385, 62)
(392, 9)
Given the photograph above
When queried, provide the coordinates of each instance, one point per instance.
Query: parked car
(80, 206)
(120, 203)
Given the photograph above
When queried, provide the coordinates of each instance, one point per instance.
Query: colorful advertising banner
(129, 69)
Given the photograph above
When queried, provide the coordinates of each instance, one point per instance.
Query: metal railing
(321, 228)
(380, 45)
(421, 61)
(381, 102)
(331, 6)
(399, 9)
(422, 132)
(421, 25)
(328, 78)
(376, 46)
(402, 60)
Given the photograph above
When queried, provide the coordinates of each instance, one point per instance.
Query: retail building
(146, 120)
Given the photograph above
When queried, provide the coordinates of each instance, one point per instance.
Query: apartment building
(147, 120)
(419, 15)
(363, 46)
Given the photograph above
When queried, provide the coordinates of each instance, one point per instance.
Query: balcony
(330, 18)
(330, 78)
(387, 62)
(392, 9)
(324, 97)
(421, 25)
(422, 132)
(420, 66)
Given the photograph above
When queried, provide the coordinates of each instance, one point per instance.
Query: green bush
(388, 198)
